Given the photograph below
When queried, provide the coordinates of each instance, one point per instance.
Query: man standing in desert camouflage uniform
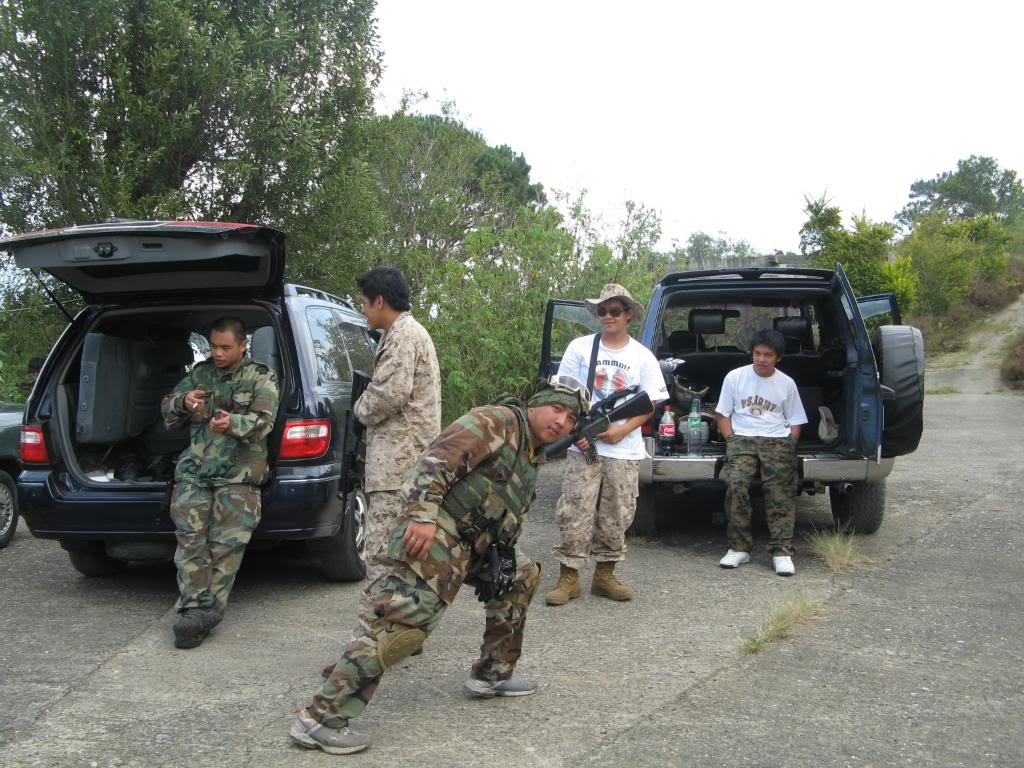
(401, 407)
(598, 500)
(464, 504)
(230, 403)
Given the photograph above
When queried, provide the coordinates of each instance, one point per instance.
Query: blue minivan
(859, 371)
(97, 462)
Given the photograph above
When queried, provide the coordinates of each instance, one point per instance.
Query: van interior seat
(796, 331)
(120, 388)
(158, 440)
(265, 349)
(683, 342)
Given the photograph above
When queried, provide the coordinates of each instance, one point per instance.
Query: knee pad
(396, 644)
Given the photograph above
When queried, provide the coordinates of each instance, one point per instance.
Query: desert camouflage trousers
(213, 525)
(596, 507)
(405, 612)
(776, 459)
(383, 508)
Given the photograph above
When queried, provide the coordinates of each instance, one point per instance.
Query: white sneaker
(783, 565)
(734, 559)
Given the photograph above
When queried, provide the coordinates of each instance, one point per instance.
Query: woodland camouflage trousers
(776, 459)
(213, 526)
(402, 601)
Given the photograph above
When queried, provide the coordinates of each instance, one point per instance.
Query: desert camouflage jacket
(249, 394)
(476, 481)
(401, 407)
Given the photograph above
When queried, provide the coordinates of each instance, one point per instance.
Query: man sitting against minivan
(230, 403)
(759, 414)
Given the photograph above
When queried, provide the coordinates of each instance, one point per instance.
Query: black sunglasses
(613, 311)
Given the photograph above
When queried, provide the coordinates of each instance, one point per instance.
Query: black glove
(495, 572)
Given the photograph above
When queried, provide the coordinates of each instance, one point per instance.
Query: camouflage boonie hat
(616, 291)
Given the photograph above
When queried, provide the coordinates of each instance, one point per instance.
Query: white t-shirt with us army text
(760, 406)
(615, 370)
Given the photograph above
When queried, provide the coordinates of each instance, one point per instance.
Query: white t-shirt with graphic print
(615, 370)
(760, 406)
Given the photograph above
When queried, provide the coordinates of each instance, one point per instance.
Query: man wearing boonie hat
(598, 500)
(463, 507)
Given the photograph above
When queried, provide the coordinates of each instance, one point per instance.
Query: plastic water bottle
(667, 429)
(693, 425)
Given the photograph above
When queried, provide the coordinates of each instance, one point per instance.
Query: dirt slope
(975, 368)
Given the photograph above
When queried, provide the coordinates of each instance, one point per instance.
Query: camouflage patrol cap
(561, 390)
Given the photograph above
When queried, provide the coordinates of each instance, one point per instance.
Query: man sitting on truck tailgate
(759, 414)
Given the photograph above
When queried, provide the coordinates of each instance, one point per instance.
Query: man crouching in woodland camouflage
(230, 403)
(464, 504)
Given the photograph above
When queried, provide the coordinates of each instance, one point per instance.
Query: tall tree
(978, 187)
(246, 110)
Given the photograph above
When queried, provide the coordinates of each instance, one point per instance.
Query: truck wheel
(343, 556)
(8, 509)
(90, 558)
(645, 521)
(860, 510)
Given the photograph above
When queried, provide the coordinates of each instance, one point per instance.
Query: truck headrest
(707, 321)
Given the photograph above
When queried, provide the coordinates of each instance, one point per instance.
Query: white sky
(722, 115)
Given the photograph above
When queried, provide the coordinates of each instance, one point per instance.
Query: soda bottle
(667, 429)
(693, 425)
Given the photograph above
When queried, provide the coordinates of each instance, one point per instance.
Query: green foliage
(704, 251)
(950, 258)
(978, 187)
(822, 219)
(864, 251)
(898, 276)
(242, 111)
(187, 109)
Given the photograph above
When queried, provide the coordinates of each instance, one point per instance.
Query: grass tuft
(946, 390)
(782, 619)
(836, 549)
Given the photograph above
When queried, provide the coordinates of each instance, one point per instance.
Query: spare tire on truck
(899, 352)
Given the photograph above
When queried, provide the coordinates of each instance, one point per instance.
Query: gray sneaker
(483, 689)
(308, 733)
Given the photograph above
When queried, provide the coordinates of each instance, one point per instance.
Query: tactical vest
(496, 495)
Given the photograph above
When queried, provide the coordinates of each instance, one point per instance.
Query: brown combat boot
(606, 585)
(567, 588)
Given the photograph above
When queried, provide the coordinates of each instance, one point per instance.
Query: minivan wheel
(859, 510)
(343, 556)
(8, 509)
(90, 558)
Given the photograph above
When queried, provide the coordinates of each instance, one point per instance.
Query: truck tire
(343, 556)
(899, 351)
(8, 509)
(90, 558)
(645, 521)
(861, 510)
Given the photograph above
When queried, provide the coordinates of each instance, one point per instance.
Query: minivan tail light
(305, 439)
(33, 447)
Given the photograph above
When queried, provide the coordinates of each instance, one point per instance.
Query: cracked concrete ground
(916, 659)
